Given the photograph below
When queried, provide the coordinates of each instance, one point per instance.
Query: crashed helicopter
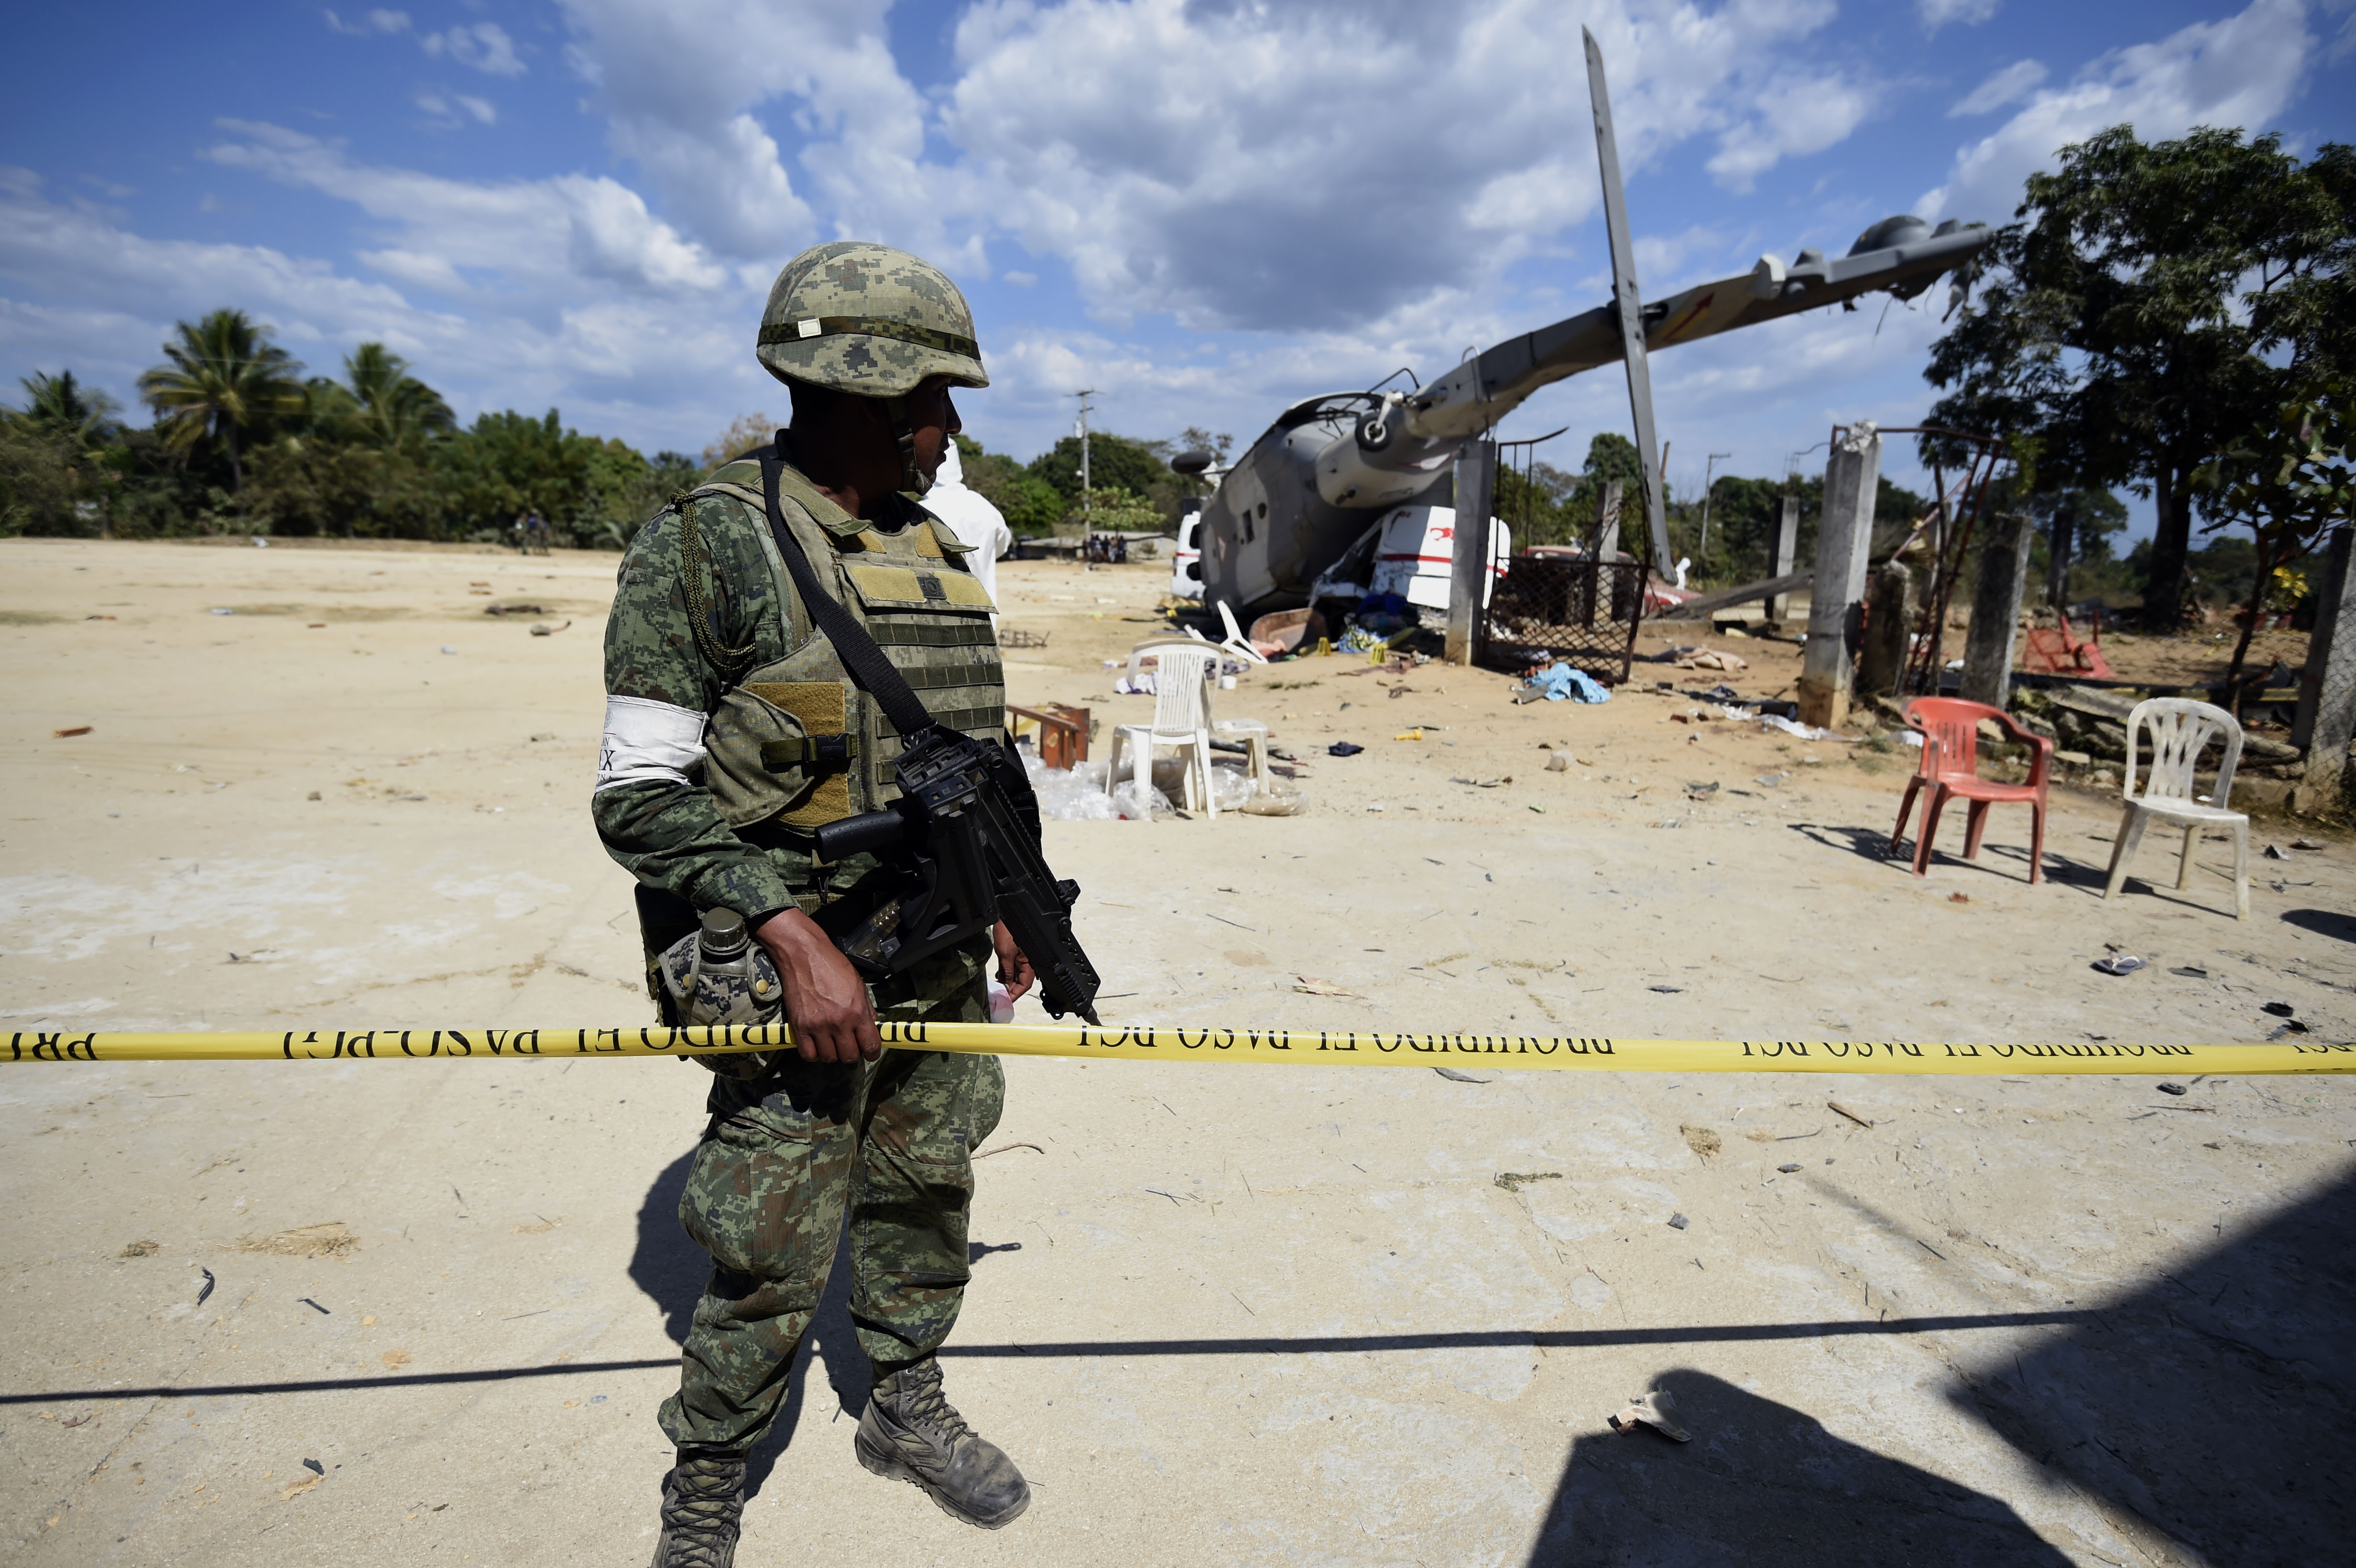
(1341, 468)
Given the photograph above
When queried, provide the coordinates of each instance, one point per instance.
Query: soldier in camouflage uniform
(732, 731)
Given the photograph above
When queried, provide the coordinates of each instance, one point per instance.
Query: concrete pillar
(1607, 524)
(1785, 554)
(1996, 609)
(1468, 583)
(1888, 619)
(1844, 538)
(2326, 692)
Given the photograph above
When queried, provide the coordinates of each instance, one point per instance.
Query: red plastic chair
(1950, 765)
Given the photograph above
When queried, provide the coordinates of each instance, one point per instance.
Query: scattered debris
(2119, 964)
(1451, 1074)
(82, 1420)
(1707, 659)
(1844, 1110)
(1009, 637)
(545, 630)
(2275, 852)
(513, 610)
(2305, 844)
(2279, 1009)
(1702, 1141)
(1665, 990)
(394, 1359)
(1560, 682)
(1787, 1169)
(1414, 734)
(1001, 1149)
(1344, 749)
(1770, 780)
(2191, 971)
(2294, 1026)
(141, 1250)
(1655, 1410)
(315, 1306)
(1310, 985)
(1678, 1221)
(1515, 1180)
(316, 1467)
(67, 735)
(1959, 898)
(332, 1239)
(207, 1289)
(1701, 791)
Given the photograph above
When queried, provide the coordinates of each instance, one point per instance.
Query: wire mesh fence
(1582, 610)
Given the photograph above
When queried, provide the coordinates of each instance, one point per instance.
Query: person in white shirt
(973, 518)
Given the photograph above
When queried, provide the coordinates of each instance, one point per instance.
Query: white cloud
(2242, 70)
(1937, 14)
(452, 109)
(681, 81)
(515, 232)
(370, 23)
(482, 46)
(1188, 159)
(2010, 85)
(1795, 116)
(485, 47)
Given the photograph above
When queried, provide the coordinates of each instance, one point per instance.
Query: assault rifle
(965, 858)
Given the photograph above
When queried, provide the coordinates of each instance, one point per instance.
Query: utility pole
(1086, 515)
(1706, 469)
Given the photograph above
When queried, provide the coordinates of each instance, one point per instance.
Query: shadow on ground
(671, 1269)
(2216, 1406)
(2204, 1418)
(1762, 1484)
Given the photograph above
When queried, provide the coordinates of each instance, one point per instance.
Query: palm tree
(58, 405)
(225, 378)
(396, 411)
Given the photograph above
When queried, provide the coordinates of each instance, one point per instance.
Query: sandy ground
(1221, 1315)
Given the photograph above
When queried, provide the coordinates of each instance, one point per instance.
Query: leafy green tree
(1114, 462)
(1030, 505)
(2122, 317)
(223, 381)
(2288, 480)
(59, 406)
(507, 464)
(392, 409)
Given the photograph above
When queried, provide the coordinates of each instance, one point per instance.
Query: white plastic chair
(1182, 720)
(2180, 729)
(1237, 642)
(1151, 648)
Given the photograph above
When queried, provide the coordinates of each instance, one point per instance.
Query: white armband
(645, 740)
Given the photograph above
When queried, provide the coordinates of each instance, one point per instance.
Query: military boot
(910, 1431)
(704, 1501)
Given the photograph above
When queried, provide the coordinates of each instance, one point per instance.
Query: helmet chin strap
(912, 478)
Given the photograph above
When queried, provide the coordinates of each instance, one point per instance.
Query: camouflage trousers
(782, 1159)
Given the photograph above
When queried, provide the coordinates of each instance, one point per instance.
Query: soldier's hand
(826, 1001)
(1013, 968)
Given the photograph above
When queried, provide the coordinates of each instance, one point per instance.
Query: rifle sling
(870, 671)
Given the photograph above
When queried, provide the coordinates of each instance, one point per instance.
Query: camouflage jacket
(732, 727)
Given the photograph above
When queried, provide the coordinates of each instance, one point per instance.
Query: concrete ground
(1220, 1315)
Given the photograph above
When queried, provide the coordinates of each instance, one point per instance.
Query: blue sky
(1202, 210)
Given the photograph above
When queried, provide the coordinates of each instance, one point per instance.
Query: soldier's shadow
(671, 1269)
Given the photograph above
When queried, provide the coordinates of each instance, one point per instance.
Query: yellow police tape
(1320, 1048)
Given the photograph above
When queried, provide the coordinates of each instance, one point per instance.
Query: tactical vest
(796, 743)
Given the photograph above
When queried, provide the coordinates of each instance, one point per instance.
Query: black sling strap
(869, 670)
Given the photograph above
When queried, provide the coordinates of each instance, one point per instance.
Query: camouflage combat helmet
(865, 319)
